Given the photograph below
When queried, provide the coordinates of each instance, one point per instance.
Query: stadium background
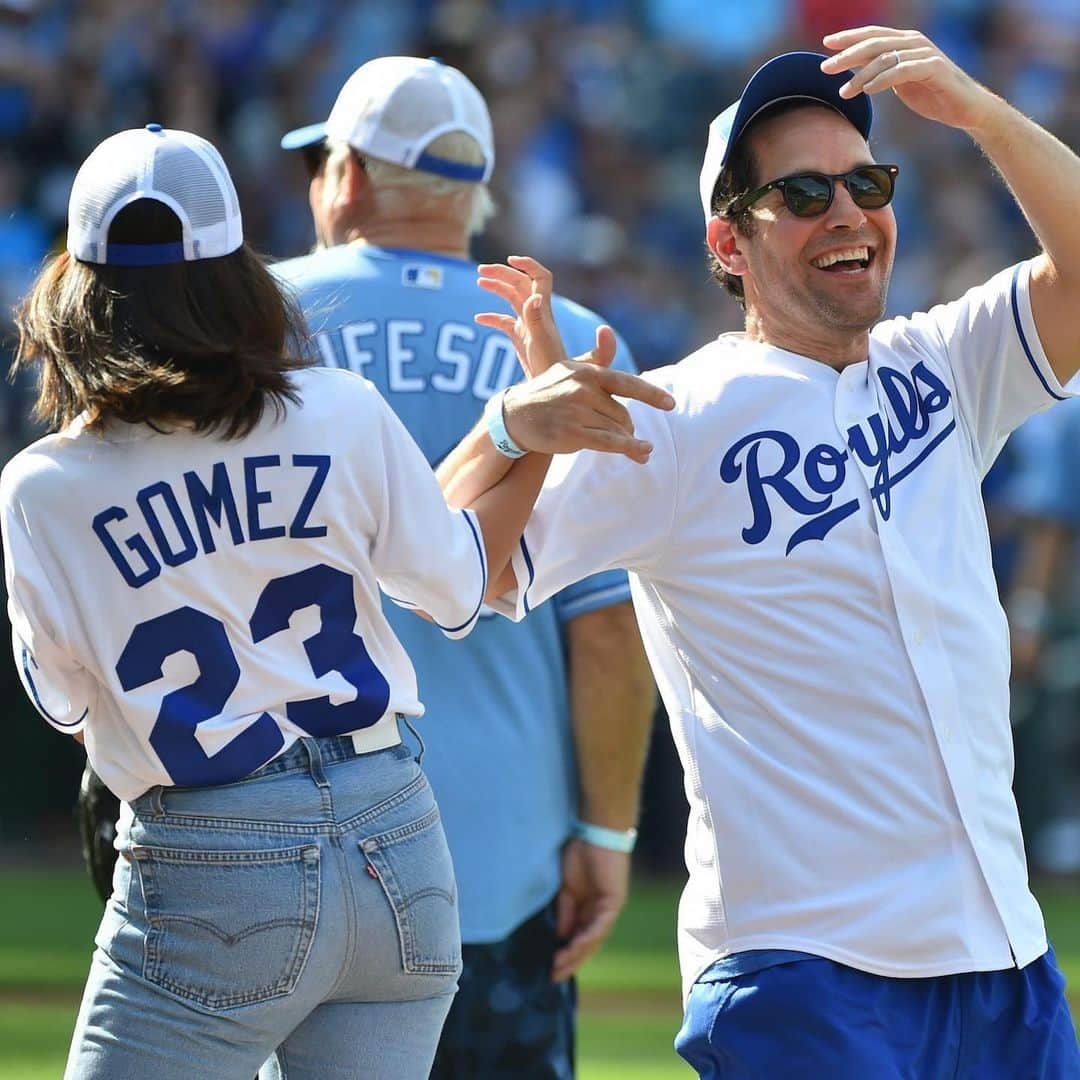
(600, 109)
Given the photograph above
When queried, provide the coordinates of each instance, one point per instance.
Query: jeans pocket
(413, 864)
(228, 928)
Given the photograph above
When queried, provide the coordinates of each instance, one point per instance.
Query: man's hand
(566, 405)
(517, 282)
(908, 62)
(595, 882)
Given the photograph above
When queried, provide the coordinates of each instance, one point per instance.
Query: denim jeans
(305, 917)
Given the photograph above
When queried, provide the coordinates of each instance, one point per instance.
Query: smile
(853, 260)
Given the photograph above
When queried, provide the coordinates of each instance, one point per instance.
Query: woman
(193, 561)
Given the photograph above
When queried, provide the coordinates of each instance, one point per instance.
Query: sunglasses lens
(807, 196)
(871, 187)
(314, 156)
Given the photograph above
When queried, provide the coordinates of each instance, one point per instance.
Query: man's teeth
(859, 254)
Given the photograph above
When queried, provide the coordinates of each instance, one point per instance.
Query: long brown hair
(206, 344)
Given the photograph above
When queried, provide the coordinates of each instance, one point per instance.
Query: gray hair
(476, 202)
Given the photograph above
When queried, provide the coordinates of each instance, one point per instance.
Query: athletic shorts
(806, 1018)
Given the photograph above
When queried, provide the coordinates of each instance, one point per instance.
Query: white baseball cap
(394, 107)
(176, 168)
(790, 75)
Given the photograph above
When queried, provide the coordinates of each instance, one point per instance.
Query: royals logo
(911, 399)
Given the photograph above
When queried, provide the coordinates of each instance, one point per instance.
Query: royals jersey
(497, 727)
(811, 572)
(193, 604)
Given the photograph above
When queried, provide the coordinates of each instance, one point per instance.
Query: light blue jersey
(497, 727)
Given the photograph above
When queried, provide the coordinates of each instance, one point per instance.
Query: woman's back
(210, 600)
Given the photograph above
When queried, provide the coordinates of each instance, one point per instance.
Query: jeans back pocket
(413, 864)
(227, 928)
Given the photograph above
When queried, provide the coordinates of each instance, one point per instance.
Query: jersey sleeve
(62, 690)
(996, 361)
(425, 555)
(597, 512)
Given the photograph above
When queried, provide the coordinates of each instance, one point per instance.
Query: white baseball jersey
(811, 571)
(195, 604)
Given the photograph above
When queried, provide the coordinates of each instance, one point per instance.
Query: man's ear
(724, 243)
(354, 187)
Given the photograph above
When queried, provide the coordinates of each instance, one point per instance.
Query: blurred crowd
(600, 109)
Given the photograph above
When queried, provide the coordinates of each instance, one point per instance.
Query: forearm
(612, 700)
(503, 510)
(473, 467)
(1043, 175)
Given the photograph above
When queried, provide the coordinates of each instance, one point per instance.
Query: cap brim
(797, 75)
(298, 138)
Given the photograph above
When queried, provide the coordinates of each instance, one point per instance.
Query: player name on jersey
(467, 359)
(179, 520)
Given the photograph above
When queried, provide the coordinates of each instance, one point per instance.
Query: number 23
(334, 648)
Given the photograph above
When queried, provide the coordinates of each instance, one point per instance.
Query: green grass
(630, 1007)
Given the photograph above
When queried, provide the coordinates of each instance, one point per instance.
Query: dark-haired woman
(194, 559)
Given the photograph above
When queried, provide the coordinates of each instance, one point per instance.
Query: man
(811, 572)
(398, 187)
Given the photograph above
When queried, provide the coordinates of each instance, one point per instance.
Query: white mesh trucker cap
(394, 107)
(176, 168)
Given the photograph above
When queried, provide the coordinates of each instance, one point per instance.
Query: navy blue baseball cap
(790, 75)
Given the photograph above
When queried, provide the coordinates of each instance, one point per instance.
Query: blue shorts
(806, 1017)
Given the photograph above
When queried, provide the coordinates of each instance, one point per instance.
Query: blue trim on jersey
(452, 170)
(37, 700)
(483, 583)
(581, 605)
(532, 575)
(143, 254)
(1023, 338)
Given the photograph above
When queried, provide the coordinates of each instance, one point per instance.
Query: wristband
(612, 839)
(496, 427)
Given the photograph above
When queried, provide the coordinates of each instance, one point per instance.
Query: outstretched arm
(566, 406)
(1042, 173)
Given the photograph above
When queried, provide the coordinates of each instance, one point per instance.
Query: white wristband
(612, 839)
(496, 427)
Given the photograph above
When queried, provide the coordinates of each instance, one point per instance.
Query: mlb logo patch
(421, 276)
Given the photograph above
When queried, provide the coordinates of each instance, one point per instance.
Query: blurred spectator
(1043, 604)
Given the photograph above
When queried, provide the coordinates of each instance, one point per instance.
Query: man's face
(786, 283)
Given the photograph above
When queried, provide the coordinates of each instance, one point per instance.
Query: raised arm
(1042, 173)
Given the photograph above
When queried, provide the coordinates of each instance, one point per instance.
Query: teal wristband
(496, 427)
(612, 839)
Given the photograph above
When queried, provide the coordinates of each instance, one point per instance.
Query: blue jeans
(811, 1018)
(305, 917)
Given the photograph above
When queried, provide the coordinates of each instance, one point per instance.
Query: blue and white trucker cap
(785, 77)
(176, 168)
(394, 107)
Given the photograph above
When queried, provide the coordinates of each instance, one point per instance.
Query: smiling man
(811, 572)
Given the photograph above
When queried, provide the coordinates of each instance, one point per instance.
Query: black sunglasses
(810, 194)
(315, 157)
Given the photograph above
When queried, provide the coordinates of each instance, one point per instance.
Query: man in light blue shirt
(535, 733)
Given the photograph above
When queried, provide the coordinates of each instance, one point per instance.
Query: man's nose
(844, 212)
